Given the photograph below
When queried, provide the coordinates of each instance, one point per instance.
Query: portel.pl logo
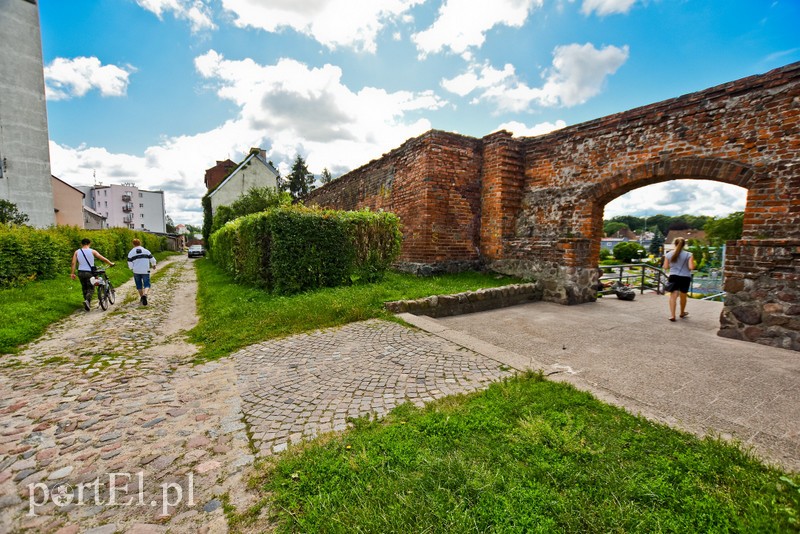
(120, 489)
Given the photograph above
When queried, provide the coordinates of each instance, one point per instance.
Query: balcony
(126, 197)
(128, 218)
(127, 207)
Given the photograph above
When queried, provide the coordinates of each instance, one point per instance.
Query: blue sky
(155, 91)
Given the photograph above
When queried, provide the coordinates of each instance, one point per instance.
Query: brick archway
(533, 206)
(687, 168)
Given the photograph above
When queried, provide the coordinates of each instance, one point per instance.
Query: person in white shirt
(83, 259)
(140, 260)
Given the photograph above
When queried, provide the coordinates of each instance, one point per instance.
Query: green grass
(28, 310)
(233, 316)
(527, 455)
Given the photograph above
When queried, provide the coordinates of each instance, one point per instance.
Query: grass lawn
(233, 316)
(27, 311)
(526, 455)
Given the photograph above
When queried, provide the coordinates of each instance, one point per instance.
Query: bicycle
(106, 294)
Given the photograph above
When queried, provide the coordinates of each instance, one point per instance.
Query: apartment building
(127, 206)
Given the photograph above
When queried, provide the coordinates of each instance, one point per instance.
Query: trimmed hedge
(292, 249)
(28, 254)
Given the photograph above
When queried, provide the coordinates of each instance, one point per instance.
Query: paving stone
(61, 473)
(212, 505)
(146, 528)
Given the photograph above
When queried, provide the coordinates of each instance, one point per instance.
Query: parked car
(196, 251)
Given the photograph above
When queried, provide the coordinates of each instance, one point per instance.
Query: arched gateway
(534, 205)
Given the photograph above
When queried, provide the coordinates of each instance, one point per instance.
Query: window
(141, 195)
(142, 226)
(105, 204)
(141, 216)
(141, 205)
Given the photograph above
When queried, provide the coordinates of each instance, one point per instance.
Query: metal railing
(641, 276)
(646, 277)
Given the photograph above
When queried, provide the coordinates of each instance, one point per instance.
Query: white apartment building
(127, 206)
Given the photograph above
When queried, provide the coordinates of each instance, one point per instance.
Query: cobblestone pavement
(297, 388)
(111, 392)
(115, 392)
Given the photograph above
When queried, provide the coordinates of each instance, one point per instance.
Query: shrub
(292, 249)
(28, 254)
(628, 250)
(605, 253)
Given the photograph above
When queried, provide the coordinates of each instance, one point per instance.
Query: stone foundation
(763, 301)
(468, 302)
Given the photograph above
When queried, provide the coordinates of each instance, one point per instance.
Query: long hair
(679, 244)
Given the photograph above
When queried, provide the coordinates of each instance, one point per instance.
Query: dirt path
(114, 392)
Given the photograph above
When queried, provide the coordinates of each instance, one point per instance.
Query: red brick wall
(534, 206)
(429, 182)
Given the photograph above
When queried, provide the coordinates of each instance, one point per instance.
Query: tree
(170, 225)
(326, 177)
(10, 214)
(612, 227)
(628, 250)
(301, 181)
(255, 200)
(679, 223)
(208, 220)
(725, 229)
(631, 221)
(656, 243)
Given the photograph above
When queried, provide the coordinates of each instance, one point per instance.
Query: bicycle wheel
(112, 293)
(102, 297)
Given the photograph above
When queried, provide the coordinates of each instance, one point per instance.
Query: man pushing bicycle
(84, 260)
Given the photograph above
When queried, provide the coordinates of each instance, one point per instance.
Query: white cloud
(286, 108)
(299, 107)
(68, 78)
(577, 74)
(479, 77)
(334, 23)
(678, 197)
(195, 11)
(606, 7)
(463, 24)
(521, 130)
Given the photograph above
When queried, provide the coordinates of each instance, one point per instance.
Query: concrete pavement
(629, 354)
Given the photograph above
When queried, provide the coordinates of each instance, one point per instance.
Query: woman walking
(679, 264)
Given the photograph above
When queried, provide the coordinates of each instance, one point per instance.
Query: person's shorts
(682, 283)
(141, 280)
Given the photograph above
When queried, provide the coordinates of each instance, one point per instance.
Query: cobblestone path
(115, 392)
(297, 388)
(111, 392)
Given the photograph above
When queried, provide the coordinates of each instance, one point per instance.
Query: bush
(292, 249)
(628, 250)
(28, 254)
(605, 253)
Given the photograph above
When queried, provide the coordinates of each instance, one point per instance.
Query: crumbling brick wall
(534, 206)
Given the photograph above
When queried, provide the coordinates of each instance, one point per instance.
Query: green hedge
(292, 249)
(28, 254)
